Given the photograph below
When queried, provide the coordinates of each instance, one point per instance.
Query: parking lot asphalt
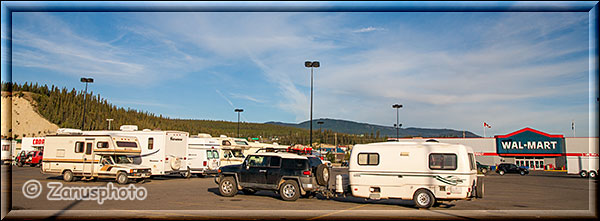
(555, 192)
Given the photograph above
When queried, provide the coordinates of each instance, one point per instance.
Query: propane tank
(338, 184)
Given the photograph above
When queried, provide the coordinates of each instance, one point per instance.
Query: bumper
(138, 175)
(309, 183)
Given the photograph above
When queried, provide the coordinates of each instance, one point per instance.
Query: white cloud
(368, 29)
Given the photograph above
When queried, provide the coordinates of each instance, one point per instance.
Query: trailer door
(88, 159)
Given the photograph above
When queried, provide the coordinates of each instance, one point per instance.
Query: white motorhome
(419, 171)
(165, 152)
(233, 150)
(203, 154)
(93, 156)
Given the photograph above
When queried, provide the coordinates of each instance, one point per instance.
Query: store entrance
(533, 163)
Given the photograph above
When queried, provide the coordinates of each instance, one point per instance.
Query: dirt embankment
(25, 120)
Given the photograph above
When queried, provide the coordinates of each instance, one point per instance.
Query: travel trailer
(233, 150)
(163, 151)
(203, 156)
(256, 146)
(93, 156)
(583, 160)
(8, 148)
(424, 172)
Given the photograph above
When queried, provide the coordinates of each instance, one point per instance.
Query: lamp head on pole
(239, 110)
(87, 80)
(312, 64)
(397, 106)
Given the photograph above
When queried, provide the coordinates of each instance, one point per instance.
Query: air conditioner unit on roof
(129, 128)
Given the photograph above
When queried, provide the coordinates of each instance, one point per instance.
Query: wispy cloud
(226, 99)
(368, 29)
(246, 97)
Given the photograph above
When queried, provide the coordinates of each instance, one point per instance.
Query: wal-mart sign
(529, 141)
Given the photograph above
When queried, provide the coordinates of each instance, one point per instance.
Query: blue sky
(449, 70)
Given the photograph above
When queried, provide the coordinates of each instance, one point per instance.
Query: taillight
(184, 158)
(166, 158)
(306, 172)
(205, 163)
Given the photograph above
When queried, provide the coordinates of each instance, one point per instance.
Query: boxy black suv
(511, 168)
(291, 175)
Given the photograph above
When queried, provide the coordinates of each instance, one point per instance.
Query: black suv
(289, 174)
(511, 168)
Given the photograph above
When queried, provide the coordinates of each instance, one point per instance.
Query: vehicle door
(512, 168)
(255, 169)
(88, 158)
(273, 171)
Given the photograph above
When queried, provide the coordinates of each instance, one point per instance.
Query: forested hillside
(64, 108)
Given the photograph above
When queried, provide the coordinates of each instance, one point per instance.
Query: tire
(289, 190)
(187, 174)
(480, 188)
(583, 174)
(522, 173)
(228, 186)
(122, 178)
(68, 176)
(175, 163)
(323, 175)
(592, 175)
(423, 198)
(501, 172)
(249, 191)
(483, 170)
(19, 164)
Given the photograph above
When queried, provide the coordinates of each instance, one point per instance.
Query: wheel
(522, 173)
(19, 164)
(501, 172)
(249, 191)
(483, 170)
(322, 175)
(583, 174)
(68, 176)
(289, 190)
(228, 186)
(187, 174)
(480, 188)
(122, 178)
(592, 174)
(423, 198)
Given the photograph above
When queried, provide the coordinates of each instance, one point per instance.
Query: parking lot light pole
(311, 65)
(86, 81)
(238, 123)
(109, 120)
(397, 125)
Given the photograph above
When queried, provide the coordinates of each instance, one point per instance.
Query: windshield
(123, 159)
(241, 142)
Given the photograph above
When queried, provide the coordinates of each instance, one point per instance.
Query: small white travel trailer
(233, 150)
(203, 154)
(8, 148)
(419, 171)
(93, 156)
(32, 143)
(165, 152)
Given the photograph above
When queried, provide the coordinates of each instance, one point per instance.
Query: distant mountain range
(351, 127)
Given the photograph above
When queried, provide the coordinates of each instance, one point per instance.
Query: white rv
(420, 171)
(203, 154)
(93, 156)
(163, 151)
(233, 150)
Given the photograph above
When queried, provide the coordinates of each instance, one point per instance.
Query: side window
(78, 147)
(294, 164)
(442, 161)
(216, 154)
(209, 154)
(226, 143)
(257, 161)
(370, 159)
(102, 145)
(150, 143)
(275, 161)
(88, 148)
(471, 160)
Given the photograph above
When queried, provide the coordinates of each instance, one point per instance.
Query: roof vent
(204, 135)
(432, 140)
(222, 136)
(146, 130)
(129, 128)
(68, 131)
